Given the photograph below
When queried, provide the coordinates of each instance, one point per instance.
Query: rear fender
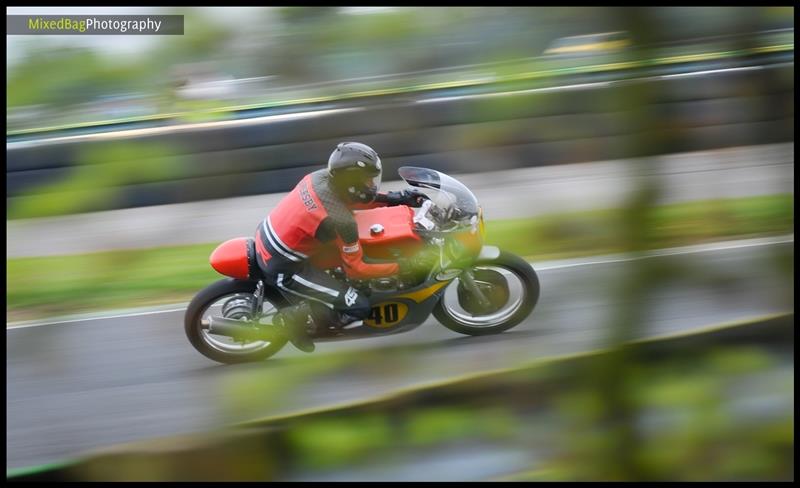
(236, 258)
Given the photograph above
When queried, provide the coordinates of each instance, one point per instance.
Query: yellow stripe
(595, 46)
(422, 295)
(769, 49)
(527, 475)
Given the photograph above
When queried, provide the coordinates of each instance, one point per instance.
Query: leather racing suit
(310, 216)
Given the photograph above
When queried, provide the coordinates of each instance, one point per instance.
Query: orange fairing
(231, 258)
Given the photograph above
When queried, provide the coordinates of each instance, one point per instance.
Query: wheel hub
(238, 308)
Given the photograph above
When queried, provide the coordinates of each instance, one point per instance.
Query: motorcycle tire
(526, 276)
(205, 298)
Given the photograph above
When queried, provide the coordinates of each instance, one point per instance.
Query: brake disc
(238, 307)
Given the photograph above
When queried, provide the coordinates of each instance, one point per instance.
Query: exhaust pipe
(236, 329)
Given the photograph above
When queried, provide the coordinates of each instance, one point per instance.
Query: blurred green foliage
(614, 433)
(450, 424)
(307, 45)
(95, 182)
(65, 76)
(331, 442)
(53, 74)
(688, 429)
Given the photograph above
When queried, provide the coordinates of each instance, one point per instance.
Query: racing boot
(294, 320)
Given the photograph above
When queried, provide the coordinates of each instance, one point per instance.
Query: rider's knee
(358, 308)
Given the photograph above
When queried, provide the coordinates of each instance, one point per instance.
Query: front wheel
(231, 299)
(508, 282)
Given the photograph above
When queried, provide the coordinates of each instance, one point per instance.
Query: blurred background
(461, 89)
(583, 131)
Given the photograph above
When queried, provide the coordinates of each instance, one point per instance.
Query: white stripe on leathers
(283, 287)
(291, 257)
(277, 238)
(315, 286)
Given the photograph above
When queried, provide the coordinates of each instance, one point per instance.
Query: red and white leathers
(310, 216)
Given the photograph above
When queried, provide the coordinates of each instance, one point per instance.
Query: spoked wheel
(511, 287)
(234, 300)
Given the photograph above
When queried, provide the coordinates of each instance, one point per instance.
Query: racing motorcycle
(469, 287)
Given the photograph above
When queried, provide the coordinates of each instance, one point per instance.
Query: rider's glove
(411, 197)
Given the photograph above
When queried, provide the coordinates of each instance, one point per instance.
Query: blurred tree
(612, 375)
(204, 39)
(59, 76)
(72, 75)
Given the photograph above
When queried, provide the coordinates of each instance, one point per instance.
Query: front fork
(466, 275)
(469, 283)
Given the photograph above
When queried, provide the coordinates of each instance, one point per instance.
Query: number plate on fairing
(387, 314)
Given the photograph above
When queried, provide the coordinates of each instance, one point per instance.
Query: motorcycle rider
(317, 211)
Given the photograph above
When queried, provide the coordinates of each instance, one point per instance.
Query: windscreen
(454, 200)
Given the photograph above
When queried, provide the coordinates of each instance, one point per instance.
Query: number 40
(390, 314)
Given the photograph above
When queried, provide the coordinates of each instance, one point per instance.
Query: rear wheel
(508, 282)
(231, 299)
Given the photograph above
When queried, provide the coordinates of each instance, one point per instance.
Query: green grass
(567, 235)
(66, 284)
(48, 286)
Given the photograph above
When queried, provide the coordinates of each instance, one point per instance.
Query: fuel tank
(384, 231)
(395, 234)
